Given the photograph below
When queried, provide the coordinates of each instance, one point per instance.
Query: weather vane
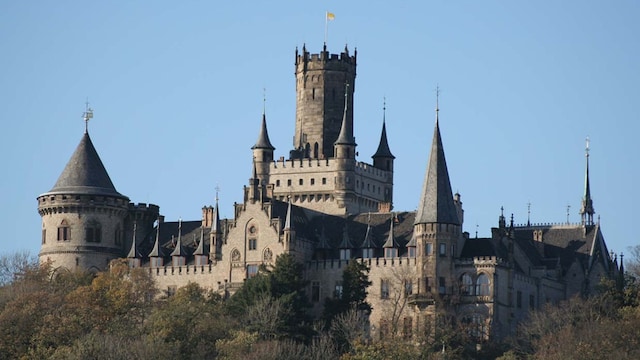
(87, 115)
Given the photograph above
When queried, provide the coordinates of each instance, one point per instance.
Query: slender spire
(346, 240)
(179, 251)
(215, 223)
(587, 211)
(391, 239)
(200, 248)
(156, 251)
(436, 204)
(133, 253)
(383, 146)
(368, 243)
(263, 141)
(288, 225)
(346, 131)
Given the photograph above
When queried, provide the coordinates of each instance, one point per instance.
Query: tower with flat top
(322, 172)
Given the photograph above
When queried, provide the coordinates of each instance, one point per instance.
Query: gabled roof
(85, 174)
(436, 203)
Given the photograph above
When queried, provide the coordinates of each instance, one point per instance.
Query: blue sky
(177, 91)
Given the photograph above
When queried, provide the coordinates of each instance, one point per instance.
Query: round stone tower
(83, 216)
(320, 88)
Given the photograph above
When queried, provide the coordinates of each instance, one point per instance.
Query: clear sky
(177, 90)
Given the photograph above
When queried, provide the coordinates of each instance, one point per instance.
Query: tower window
(93, 233)
(301, 181)
(288, 182)
(324, 181)
(443, 249)
(118, 238)
(428, 248)
(313, 181)
(313, 93)
(277, 183)
(64, 231)
(253, 244)
(315, 291)
(44, 236)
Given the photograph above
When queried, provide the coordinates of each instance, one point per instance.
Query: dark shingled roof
(263, 141)
(436, 204)
(383, 146)
(85, 174)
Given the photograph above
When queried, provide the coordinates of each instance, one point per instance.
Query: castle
(327, 209)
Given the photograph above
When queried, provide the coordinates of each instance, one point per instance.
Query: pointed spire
(215, 223)
(391, 239)
(179, 251)
(200, 248)
(346, 130)
(346, 241)
(383, 146)
(587, 211)
(436, 204)
(368, 242)
(288, 225)
(156, 251)
(133, 253)
(263, 141)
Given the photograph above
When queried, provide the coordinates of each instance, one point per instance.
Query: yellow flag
(330, 16)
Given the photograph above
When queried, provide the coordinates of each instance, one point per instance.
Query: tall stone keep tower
(83, 216)
(321, 81)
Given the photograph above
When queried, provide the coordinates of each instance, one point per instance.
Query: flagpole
(326, 26)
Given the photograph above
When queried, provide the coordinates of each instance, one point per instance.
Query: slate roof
(383, 146)
(436, 203)
(263, 141)
(85, 174)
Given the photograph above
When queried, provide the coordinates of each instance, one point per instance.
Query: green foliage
(273, 303)
(191, 322)
(355, 281)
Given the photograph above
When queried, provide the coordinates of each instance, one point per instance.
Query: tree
(192, 321)
(355, 281)
(275, 299)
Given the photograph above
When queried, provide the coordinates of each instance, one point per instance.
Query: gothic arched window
(64, 231)
(482, 285)
(467, 284)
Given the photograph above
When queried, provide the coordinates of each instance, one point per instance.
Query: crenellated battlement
(325, 58)
(378, 262)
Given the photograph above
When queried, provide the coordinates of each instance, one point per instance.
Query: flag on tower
(330, 16)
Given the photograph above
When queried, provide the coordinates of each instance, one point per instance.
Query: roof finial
(264, 101)
(437, 99)
(217, 191)
(568, 212)
(587, 147)
(529, 213)
(384, 110)
(88, 114)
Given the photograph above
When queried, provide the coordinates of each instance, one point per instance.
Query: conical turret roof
(263, 141)
(346, 130)
(85, 173)
(436, 203)
(383, 146)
